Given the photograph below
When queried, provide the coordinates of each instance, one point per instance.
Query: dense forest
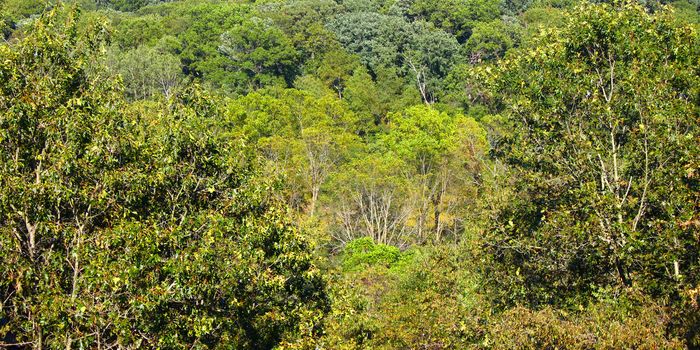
(349, 174)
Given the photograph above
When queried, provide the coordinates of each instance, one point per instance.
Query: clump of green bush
(364, 252)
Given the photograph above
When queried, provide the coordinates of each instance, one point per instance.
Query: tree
(147, 72)
(305, 138)
(604, 113)
(198, 27)
(430, 57)
(134, 31)
(384, 43)
(491, 40)
(303, 21)
(364, 98)
(125, 5)
(135, 225)
(456, 17)
(369, 197)
(335, 69)
(441, 154)
(13, 11)
(515, 7)
(377, 39)
(261, 52)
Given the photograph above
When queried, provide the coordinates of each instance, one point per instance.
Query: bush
(363, 252)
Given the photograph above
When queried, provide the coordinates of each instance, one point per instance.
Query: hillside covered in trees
(349, 174)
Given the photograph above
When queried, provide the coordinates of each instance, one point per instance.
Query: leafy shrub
(363, 252)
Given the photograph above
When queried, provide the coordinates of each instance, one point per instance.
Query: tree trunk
(436, 217)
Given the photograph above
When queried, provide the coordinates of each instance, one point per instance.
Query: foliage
(605, 117)
(369, 198)
(140, 225)
(378, 39)
(303, 21)
(134, 31)
(305, 138)
(607, 324)
(126, 5)
(491, 40)
(147, 72)
(442, 154)
(12, 12)
(420, 50)
(197, 29)
(425, 300)
(363, 252)
(259, 52)
(456, 17)
(350, 174)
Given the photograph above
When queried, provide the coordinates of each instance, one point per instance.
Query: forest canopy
(349, 174)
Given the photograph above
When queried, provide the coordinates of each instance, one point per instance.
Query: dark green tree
(260, 52)
(491, 40)
(456, 17)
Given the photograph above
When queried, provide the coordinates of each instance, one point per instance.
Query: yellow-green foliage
(602, 325)
(144, 225)
(424, 300)
(476, 174)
